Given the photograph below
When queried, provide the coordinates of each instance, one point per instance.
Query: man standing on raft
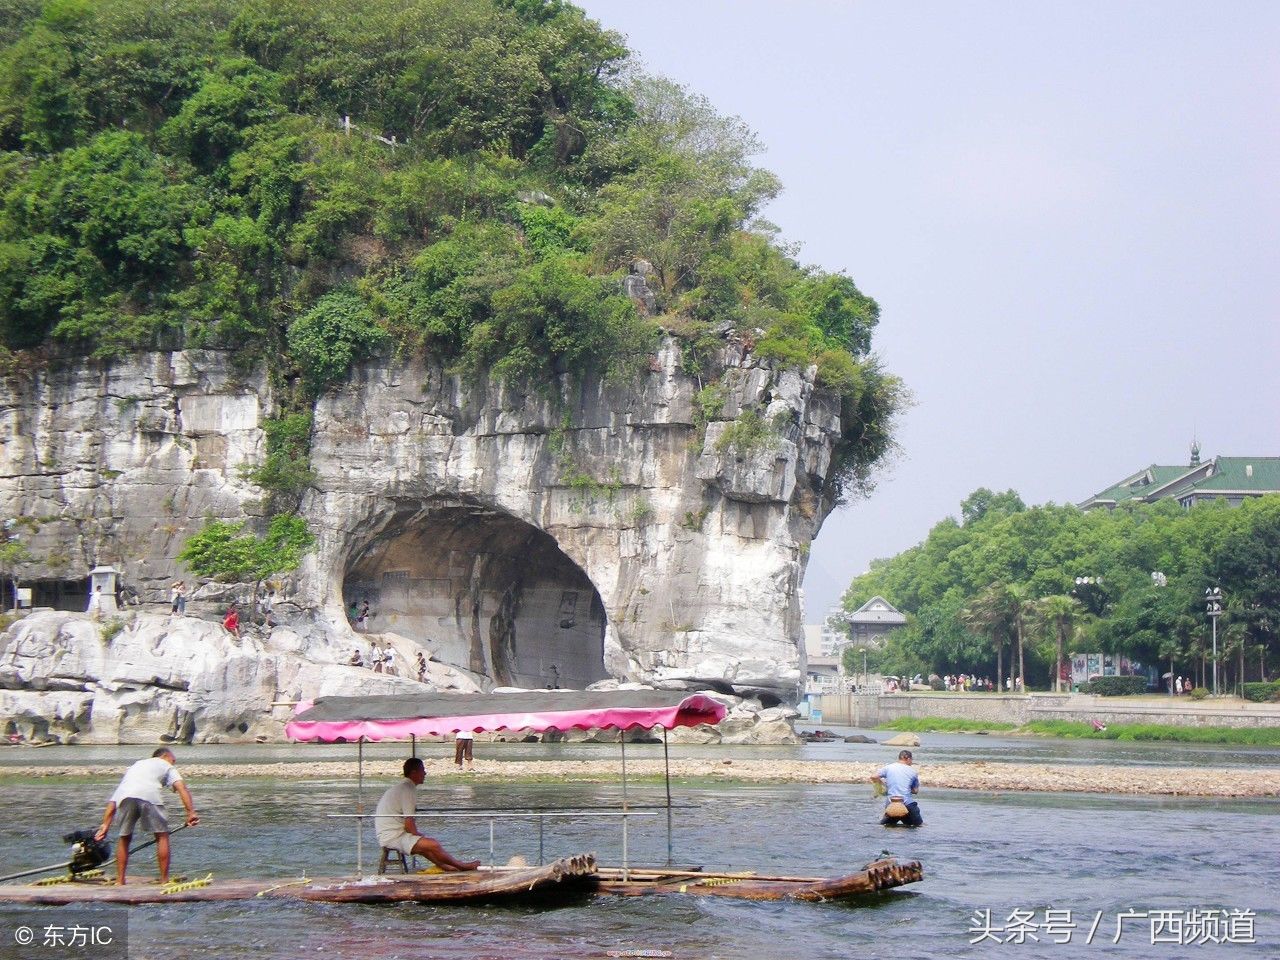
(139, 802)
(396, 828)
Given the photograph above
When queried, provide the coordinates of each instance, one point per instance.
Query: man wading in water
(901, 784)
(139, 802)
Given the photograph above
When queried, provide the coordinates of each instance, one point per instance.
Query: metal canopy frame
(538, 711)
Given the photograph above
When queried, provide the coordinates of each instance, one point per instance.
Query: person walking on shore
(139, 802)
(397, 829)
(901, 784)
(463, 748)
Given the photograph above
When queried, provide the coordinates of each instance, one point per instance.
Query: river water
(1109, 860)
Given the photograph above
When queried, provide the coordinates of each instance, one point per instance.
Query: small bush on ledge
(1116, 686)
(1262, 692)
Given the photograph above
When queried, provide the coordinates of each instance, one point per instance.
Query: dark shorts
(912, 819)
(143, 814)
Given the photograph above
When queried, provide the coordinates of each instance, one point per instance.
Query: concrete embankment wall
(858, 710)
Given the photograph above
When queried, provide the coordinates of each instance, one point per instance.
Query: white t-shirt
(397, 803)
(145, 780)
(464, 735)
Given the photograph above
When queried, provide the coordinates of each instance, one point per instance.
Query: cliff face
(532, 539)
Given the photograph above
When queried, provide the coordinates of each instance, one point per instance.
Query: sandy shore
(984, 776)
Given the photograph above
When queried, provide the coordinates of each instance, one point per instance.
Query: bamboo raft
(875, 877)
(568, 877)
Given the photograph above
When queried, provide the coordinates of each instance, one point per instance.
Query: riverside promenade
(871, 710)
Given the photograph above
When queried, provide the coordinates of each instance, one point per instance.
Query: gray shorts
(144, 814)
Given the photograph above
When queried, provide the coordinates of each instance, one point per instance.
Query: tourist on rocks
(377, 660)
(356, 660)
(354, 615)
(95, 604)
(362, 621)
(266, 603)
(178, 599)
(901, 783)
(422, 668)
(389, 662)
(139, 802)
(397, 829)
(231, 622)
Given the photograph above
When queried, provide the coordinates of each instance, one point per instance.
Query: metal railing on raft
(627, 806)
(502, 813)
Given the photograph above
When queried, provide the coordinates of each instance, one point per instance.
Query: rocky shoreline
(979, 775)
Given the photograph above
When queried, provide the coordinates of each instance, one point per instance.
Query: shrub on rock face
(337, 332)
(1117, 686)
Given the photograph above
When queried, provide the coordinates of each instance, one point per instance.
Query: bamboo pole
(666, 769)
(360, 807)
(622, 739)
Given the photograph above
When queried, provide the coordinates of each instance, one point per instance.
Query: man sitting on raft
(397, 829)
(901, 783)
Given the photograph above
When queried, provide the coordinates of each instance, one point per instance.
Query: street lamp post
(1213, 610)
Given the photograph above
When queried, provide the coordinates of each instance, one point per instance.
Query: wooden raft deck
(566, 875)
(877, 876)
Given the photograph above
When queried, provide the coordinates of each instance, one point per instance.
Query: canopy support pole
(622, 739)
(666, 769)
(360, 807)
(413, 744)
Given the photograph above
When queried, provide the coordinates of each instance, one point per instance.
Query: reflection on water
(981, 851)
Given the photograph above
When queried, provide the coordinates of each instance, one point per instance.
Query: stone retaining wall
(873, 710)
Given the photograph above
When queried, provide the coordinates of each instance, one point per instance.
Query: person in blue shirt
(902, 782)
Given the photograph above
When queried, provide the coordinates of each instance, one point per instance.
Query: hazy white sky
(1069, 213)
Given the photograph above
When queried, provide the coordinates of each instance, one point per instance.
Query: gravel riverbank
(978, 775)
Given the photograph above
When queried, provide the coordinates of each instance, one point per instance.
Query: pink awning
(330, 719)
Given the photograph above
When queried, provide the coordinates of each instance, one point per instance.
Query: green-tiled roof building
(1229, 478)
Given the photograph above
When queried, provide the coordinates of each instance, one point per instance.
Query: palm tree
(991, 612)
(1062, 615)
(1234, 638)
(1023, 605)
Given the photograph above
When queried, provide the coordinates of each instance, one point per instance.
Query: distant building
(1223, 478)
(822, 671)
(822, 675)
(872, 622)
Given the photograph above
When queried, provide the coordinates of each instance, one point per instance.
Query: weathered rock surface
(588, 532)
(148, 678)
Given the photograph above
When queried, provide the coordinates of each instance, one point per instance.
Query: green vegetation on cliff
(180, 174)
(972, 588)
